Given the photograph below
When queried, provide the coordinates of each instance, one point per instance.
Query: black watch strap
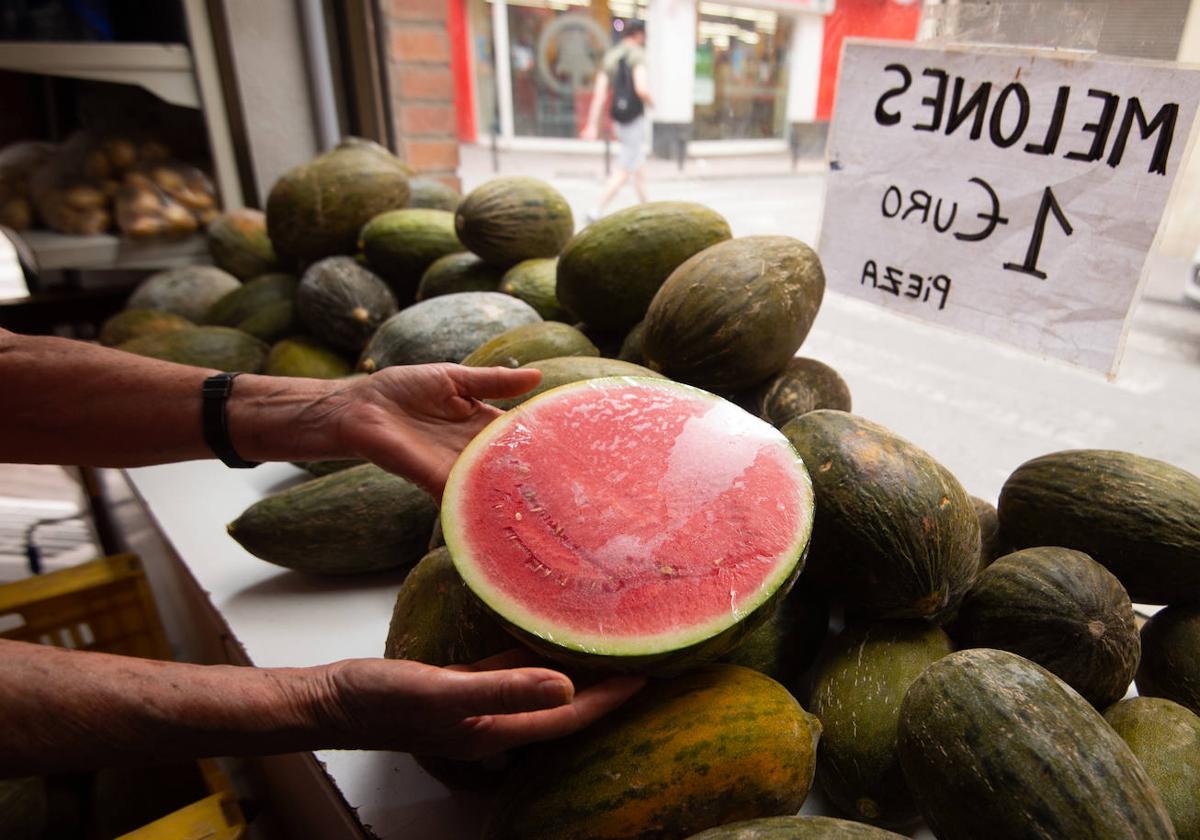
(215, 420)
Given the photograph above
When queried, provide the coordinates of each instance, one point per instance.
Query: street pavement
(978, 406)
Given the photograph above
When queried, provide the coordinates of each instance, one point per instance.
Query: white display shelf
(163, 69)
(104, 251)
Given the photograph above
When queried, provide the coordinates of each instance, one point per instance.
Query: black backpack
(626, 104)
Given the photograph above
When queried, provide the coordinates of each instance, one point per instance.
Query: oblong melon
(238, 243)
(304, 356)
(629, 524)
(250, 298)
(797, 828)
(443, 329)
(427, 192)
(342, 303)
(533, 281)
(461, 272)
(223, 348)
(529, 343)
(189, 291)
(400, 244)
(129, 324)
(561, 370)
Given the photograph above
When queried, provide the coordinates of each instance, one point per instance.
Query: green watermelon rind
(693, 645)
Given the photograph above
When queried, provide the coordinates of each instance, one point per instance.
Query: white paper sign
(1008, 193)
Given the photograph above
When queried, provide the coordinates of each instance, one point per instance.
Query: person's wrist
(285, 418)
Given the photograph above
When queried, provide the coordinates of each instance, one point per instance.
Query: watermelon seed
(666, 570)
(518, 515)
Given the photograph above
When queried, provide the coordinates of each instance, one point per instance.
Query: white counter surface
(977, 407)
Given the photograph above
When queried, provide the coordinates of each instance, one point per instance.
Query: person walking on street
(624, 72)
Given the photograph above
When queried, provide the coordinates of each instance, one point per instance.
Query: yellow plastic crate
(103, 605)
(106, 605)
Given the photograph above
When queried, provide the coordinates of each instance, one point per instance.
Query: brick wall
(422, 87)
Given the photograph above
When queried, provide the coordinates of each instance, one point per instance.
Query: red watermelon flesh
(628, 518)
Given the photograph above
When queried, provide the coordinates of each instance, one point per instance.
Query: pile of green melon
(815, 599)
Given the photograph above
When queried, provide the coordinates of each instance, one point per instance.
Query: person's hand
(461, 712)
(415, 420)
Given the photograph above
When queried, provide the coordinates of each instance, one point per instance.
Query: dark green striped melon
(361, 519)
(437, 621)
(533, 281)
(1165, 737)
(316, 210)
(797, 828)
(857, 692)
(400, 244)
(1170, 665)
(804, 385)
(560, 371)
(250, 298)
(628, 523)
(343, 304)
(238, 243)
(514, 218)
(188, 292)
(222, 348)
(896, 534)
(456, 273)
(443, 329)
(710, 747)
(431, 193)
(129, 324)
(989, 532)
(1060, 609)
(610, 271)
(1138, 517)
(304, 356)
(786, 644)
(995, 747)
(529, 343)
(733, 315)
(631, 347)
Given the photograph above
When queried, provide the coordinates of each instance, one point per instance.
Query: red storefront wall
(865, 18)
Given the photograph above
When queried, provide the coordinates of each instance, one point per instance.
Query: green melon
(896, 534)
(427, 192)
(223, 348)
(804, 385)
(560, 371)
(1060, 609)
(1165, 737)
(401, 244)
(342, 303)
(857, 692)
(610, 271)
(273, 322)
(443, 329)
(304, 356)
(514, 218)
(188, 292)
(1138, 517)
(316, 210)
(631, 348)
(248, 299)
(787, 643)
(733, 315)
(995, 747)
(361, 519)
(797, 828)
(129, 324)
(238, 242)
(530, 343)
(456, 273)
(1170, 665)
(989, 532)
(533, 281)
(713, 746)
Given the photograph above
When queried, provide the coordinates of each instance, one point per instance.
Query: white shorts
(632, 137)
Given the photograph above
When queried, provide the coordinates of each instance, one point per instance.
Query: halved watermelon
(629, 523)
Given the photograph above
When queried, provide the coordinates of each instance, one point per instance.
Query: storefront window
(741, 73)
(555, 49)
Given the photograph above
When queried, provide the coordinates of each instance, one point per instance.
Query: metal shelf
(166, 70)
(103, 251)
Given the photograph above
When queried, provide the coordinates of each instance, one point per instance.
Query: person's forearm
(66, 709)
(599, 92)
(72, 402)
